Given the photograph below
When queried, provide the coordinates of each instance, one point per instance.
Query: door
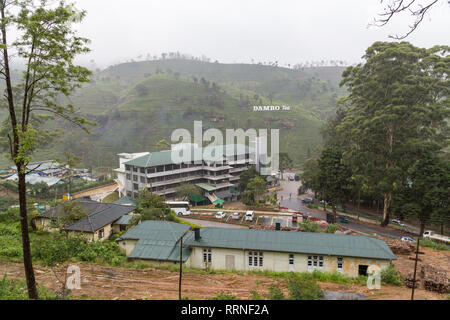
(229, 262)
(291, 262)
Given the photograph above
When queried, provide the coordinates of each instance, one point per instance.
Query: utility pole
(181, 268)
(415, 268)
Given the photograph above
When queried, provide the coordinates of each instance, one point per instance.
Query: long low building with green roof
(263, 250)
(216, 171)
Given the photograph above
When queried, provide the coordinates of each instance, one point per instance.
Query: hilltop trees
(397, 108)
(47, 44)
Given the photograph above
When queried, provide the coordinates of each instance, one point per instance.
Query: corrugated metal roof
(206, 186)
(126, 201)
(159, 250)
(125, 220)
(294, 242)
(157, 241)
(165, 157)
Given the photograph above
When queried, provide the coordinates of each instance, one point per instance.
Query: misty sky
(288, 31)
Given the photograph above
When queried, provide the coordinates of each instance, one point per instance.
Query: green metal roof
(159, 250)
(165, 157)
(125, 220)
(126, 201)
(294, 242)
(206, 186)
(219, 201)
(156, 241)
(197, 199)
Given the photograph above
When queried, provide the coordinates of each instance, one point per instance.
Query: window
(291, 259)
(362, 270)
(135, 178)
(255, 259)
(135, 186)
(128, 176)
(142, 170)
(143, 179)
(127, 167)
(207, 256)
(315, 262)
(340, 264)
(135, 169)
(101, 233)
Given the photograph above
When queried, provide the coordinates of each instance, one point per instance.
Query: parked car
(291, 178)
(297, 177)
(307, 200)
(398, 222)
(407, 239)
(221, 215)
(236, 216)
(249, 216)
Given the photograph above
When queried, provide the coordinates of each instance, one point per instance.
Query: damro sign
(215, 152)
(271, 108)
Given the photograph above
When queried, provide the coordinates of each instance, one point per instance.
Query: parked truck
(436, 237)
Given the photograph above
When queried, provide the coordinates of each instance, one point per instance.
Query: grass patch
(17, 290)
(113, 197)
(316, 275)
(428, 243)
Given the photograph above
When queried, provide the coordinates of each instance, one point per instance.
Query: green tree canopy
(41, 34)
(397, 107)
(185, 190)
(425, 194)
(334, 180)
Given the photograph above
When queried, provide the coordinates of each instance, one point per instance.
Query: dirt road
(97, 194)
(110, 283)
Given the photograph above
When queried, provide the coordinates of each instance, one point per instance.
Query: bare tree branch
(413, 7)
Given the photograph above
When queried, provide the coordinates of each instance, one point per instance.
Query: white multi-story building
(121, 177)
(160, 174)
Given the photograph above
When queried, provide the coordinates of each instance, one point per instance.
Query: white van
(249, 215)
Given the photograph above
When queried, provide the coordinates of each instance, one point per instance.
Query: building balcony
(234, 170)
(172, 172)
(177, 180)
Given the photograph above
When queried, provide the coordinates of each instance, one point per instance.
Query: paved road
(289, 199)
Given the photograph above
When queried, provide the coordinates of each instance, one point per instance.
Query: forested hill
(137, 104)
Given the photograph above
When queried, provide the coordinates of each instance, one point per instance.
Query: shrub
(310, 226)
(391, 276)
(332, 228)
(301, 288)
(275, 293)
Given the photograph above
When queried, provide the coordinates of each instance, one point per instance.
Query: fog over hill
(137, 104)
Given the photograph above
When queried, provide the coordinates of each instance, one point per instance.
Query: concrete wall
(44, 224)
(127, 245)
(279, 262)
